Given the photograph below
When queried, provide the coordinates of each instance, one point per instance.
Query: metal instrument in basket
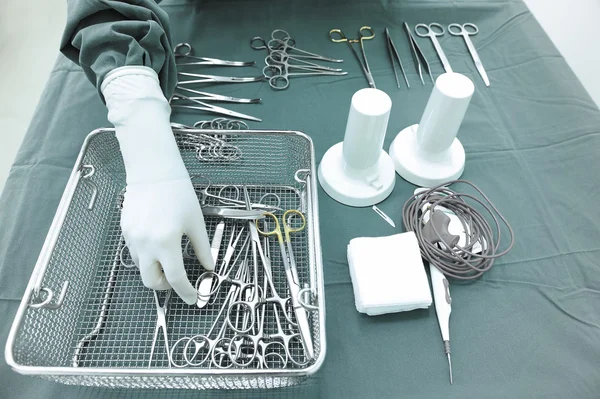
(100, 330)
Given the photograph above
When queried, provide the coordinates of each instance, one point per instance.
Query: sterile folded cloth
(388, 274)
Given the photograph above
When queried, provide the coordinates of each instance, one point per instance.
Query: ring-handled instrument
(202, 106)
(364, 33)
(205, 96)
(203, 78)
(287, 46)
(279, 57)
(209, 282)
(283, 41)
(279, 75)
(394, 55)
(466, 31)
(205, 346)
(250, 300)
(184, 50)
(161, 324)
(432, 31)
(418, 55)
(234, 201)
(232, 213)
(291, 271)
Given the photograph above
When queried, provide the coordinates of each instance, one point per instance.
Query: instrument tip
(450, 368)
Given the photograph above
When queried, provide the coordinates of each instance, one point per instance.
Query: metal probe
(441, 296)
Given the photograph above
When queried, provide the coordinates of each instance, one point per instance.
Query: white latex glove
(160, 204)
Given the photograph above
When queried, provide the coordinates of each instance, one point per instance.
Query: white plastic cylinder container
(357, 171)
(444, 112)
(365, 130)
(429, 153)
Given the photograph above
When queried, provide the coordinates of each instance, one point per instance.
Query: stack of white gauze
(387, 274)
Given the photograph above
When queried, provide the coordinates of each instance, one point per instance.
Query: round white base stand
(422, 168)
(356, 187)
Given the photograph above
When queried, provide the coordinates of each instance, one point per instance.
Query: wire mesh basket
(86, 319)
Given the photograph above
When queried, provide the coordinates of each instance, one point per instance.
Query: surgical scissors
(361, 39)
(202, 106)
(430, 32)
(184, 50)
(218, 97)
(291, 270)
(463, 30)
(202, 78)
(161, 324)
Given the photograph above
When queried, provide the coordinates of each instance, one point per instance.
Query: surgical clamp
(291, 272)
(204, 96)
(364, 64)
(161, 324)
(187, 53)
(201, 78)
(202, 106)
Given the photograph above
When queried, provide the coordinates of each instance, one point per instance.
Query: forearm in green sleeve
(102, 35)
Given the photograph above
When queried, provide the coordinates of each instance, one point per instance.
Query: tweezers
(417, 54)
(394, 52)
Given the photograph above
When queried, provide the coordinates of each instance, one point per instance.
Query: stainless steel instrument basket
(80, 290)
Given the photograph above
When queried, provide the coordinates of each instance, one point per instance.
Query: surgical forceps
(394, 52)
(463, 30)
(201, 78)
(432, 33)
(291, 271)
(202, 106)
(222, 123)
(418, 55)
(361, 39)
(279, 75)
(278, 57)
(206, 346)
(161, 324)
(287, 44)
(184, 50)
(252, 300)
(211, 148)
(204, 96)
(209, 282)
(235, 202)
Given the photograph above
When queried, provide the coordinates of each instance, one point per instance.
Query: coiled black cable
(456, 261)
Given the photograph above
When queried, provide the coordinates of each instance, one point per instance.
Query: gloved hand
(160, 204)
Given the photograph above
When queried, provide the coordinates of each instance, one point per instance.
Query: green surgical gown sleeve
(102, 35)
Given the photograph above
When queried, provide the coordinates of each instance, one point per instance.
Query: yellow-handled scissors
(291, 272)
